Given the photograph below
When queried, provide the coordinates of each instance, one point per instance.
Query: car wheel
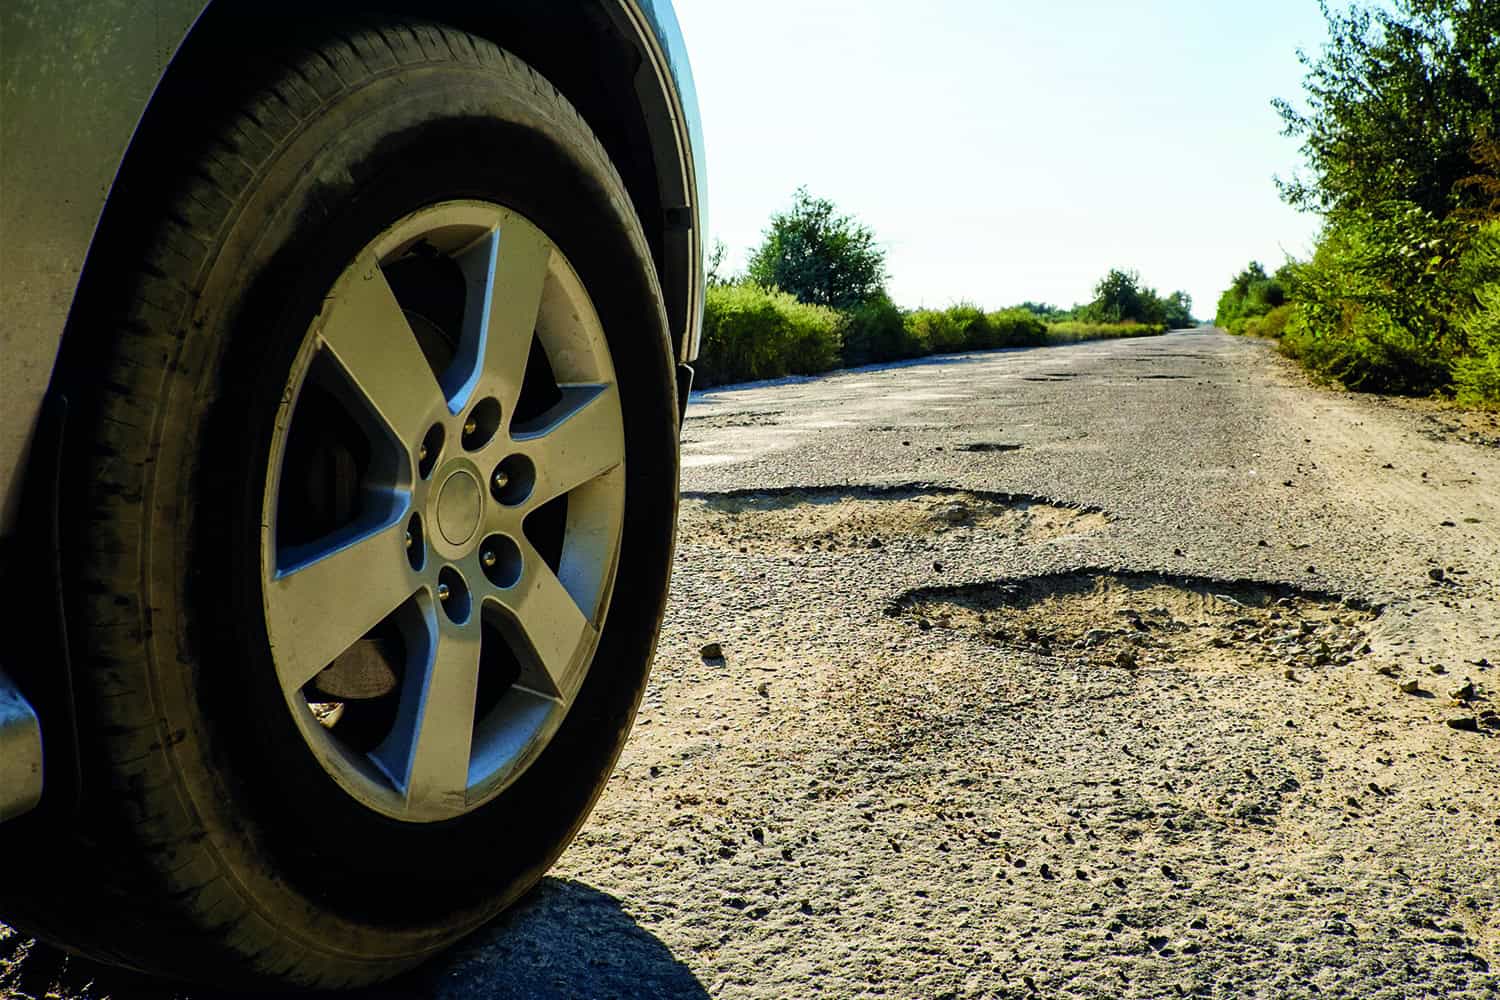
(367, 521)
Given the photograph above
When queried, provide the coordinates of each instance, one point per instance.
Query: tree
(820, 256)
(716, 277)
(1395, 103)
(1121, 298)
(1178, 311)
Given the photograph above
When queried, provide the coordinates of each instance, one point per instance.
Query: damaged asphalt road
(1071, 672)
(1126, 669)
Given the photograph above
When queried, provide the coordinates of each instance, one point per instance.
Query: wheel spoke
(506, 273)
(551, 627)
(575, 442)
(434, 738)
(326, 596)
(363, 326)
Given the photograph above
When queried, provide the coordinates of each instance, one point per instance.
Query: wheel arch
(609, 58)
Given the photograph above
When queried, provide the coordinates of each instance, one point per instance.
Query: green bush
(1016, 328)
(973, 326)
(1477, 374)
(750, 333)
(876, 331)
(935, 330)
(966, 327)
(1374, 306)
(1253, 294)
(753, 333)
(1368, 350)
(1476, 370)
(1272, 325)
(1073, 331)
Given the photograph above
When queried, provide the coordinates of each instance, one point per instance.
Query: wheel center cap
(459, 506)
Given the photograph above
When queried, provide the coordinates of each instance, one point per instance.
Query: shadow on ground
(565, 940)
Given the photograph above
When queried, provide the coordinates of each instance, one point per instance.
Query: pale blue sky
(1006, 150)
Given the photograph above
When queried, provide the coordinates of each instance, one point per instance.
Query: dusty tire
(211, 844)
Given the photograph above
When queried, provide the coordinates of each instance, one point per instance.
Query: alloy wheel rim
(435, 616)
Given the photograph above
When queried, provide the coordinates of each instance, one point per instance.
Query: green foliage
(1271, 326)
(876, 331)
(1476, 372)
(1073, 331)
(1121, 298)
(1477, 375)
(1400, 295)
(966, 327)
(1253, 293)
(1044, 311)
(936, 330)
(1395, 102)
(1018, 327)
(717, 272)
(819, 256)
(813, 298)
(1177, 311)
(752, 333)
(1375, 305)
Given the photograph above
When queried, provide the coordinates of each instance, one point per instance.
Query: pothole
(1139, 620)
(987, 447)
(864, 517)
(749, 418)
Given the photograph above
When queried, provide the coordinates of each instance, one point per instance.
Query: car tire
(221, 837)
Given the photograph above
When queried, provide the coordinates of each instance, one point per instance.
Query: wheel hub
(459, 507)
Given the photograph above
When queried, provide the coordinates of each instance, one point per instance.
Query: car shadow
(564, 940)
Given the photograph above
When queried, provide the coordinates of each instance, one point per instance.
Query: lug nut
(408, 539)
(489, 559)
(471, 428)
(444, 592)
(422, 454)
(502, 479)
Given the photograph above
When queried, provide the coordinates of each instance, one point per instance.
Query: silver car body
(76, 81)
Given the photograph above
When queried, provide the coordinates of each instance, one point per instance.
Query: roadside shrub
(1272, 325)
(1375, 304)
(935, 330)
(1476, 375)
(753, 333)
(1368, 349)
(1476, 370)
(1073, 331)
(973, 326)
(876, 331)
(1016, 328)
(966, 327)
(1253, 294)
